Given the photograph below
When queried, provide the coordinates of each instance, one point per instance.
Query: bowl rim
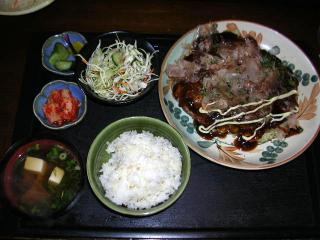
(144, 212)
(40, 137)
(126, 34)
(68, 125)
(58, 35)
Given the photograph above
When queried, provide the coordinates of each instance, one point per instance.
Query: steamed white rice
(143, 171)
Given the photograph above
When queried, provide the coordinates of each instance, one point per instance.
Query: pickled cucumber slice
(63, 65)
(117, 58)
(61, 50)
(54, 58)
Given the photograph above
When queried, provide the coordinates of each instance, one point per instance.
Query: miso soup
(44, 179)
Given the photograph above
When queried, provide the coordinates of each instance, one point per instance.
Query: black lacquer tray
(219, 202)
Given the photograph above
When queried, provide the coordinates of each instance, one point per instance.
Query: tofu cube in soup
(35, 165)
(56, 176)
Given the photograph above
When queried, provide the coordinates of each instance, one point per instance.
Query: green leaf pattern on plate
(207, 144)
(271, 152)
(304, 78)
(184, 120)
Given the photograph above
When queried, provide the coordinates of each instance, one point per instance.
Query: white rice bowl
(144, 170)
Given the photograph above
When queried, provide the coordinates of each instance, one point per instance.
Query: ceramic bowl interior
(97, 156)
(106, 40)
(76, 39)
(43, 96)
(26, 192)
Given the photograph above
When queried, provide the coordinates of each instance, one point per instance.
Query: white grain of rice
(143, 171)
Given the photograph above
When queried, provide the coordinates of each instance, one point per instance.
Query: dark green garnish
(287, 78)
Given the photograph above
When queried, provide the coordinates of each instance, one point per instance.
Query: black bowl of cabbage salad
(117, 68)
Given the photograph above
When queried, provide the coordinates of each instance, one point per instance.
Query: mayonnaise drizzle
(262, 103)
(267, 102)
(255, 132)
(275, 118)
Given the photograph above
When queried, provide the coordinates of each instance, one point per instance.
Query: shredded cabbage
(119, 71)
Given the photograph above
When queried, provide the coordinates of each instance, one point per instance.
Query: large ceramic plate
(269, 154)
(21, 7)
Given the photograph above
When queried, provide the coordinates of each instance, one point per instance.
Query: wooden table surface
(298, 20)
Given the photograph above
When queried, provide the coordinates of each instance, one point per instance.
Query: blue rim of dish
(68, 124)
(60, 35)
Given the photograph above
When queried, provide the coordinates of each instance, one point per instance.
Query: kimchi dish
(228, 85)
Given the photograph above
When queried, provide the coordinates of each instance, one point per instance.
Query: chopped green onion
(63, 156)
